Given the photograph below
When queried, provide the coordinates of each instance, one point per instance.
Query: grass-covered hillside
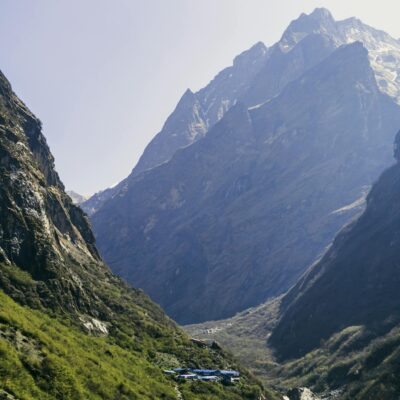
(43, 357)
(69, 328)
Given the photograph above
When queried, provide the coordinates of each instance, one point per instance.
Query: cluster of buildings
(208, 375)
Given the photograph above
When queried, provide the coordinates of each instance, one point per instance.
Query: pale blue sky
(103, 75)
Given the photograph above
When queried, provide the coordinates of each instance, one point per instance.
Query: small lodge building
(208, 375)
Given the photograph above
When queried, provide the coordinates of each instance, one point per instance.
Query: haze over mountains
(197, 112)
(252, 177)
(236, 203)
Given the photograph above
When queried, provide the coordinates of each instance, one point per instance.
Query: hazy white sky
(103, 75)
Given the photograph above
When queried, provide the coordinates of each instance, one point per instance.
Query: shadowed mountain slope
(337, 330)
(209, 232)
(356, 282)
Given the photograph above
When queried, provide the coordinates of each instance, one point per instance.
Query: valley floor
(351, 365)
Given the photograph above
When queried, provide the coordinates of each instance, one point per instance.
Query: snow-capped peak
(383, 49)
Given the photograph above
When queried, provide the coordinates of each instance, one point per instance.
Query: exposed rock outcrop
(301, 394)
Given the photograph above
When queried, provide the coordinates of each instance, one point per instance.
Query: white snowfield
(384, 53)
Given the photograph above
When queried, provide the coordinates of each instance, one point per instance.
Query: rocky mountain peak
(188, 96)
(322, 14)
(256, 51)
(319, 21)
(323, 82)
(259, 73)
(383, 50)
(14, 112)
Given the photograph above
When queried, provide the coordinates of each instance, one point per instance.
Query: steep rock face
(40, 227)
(208, 233)
(197, 112)
(259, 74)
(230, 84)
(384, 51)
(320, 21)
(49, 264)
(356, 282)
(185, 125)
(283, 67)
(193, 117)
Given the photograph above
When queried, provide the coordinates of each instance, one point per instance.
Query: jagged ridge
(216, 222)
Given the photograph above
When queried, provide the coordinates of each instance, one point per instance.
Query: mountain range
(266, 211)
(259, 74)
(245, 194)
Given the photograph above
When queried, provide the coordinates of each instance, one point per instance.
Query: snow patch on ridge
(360, 202)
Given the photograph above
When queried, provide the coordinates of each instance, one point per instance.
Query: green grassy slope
(69, 328)
(44, 357)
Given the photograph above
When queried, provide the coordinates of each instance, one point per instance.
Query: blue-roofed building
(180, 370)
(210, 375)
(205, 371)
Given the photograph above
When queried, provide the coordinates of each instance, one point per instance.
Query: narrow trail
(178, 392)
